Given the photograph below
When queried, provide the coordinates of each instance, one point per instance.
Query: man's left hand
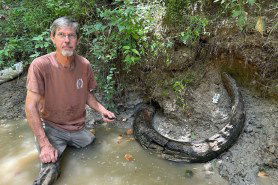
(108, 116)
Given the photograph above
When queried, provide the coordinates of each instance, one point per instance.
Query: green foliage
(114, 37)
(11, 52)
(176, 10)
(119, 39)
(179, 85)
(108, 86)
(42, 44)
(180, 12)
(23, 29)
(196, 27)
(120, 33)
(180, 17)
(237, 9)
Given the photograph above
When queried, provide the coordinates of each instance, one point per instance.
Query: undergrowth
(115, 36)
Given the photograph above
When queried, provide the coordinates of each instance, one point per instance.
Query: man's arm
(94, 104)
(48, 152)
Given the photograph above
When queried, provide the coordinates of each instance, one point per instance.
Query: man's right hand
(48, 154)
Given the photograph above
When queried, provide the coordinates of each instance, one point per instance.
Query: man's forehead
(66, 29)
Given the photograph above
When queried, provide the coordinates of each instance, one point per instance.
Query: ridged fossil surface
(195, 151)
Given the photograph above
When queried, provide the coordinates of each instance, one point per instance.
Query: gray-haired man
(59, 87)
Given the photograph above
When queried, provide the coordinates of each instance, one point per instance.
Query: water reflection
(18, 156)
(102, 163)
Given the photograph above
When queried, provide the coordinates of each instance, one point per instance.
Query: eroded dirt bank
(12, 98)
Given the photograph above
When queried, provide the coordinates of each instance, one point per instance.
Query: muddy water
(101, 163)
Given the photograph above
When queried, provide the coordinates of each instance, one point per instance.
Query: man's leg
(81, 138)
(50, 172)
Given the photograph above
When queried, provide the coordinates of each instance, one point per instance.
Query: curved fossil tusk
(196, 151)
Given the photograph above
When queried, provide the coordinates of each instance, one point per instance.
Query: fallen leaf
(129, 157)
(120, 139)
(260, 26)
(129, 131)
(262, 174)
(130, 139)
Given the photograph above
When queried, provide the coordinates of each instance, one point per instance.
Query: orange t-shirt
(64, 90)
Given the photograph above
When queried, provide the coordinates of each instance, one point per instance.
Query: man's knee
(82, 138)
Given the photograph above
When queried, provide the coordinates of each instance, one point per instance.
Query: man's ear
(52, 37)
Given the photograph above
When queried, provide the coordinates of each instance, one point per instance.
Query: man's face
(65, 40)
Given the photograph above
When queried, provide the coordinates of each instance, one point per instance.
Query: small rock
(219, 162)
(208, 167)
(273, 163)
(259, 126)
(248, 129)
(215, 98)
(262, 174)
(208, 173)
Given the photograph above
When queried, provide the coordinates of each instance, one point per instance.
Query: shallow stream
(102, 163)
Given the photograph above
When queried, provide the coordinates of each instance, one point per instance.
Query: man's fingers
(50, 155)
(55, 156)
(108, 117)
(107, 120)
(45, 159)
(111, 115)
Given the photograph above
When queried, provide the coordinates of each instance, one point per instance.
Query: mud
(205, 113)
(12, 98)
(257, 147)
(255, 151)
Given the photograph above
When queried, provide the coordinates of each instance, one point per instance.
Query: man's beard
(67, 53)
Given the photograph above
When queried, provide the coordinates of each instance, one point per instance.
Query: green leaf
(99, 27)
(121, 28)
(46, 44)
(34, 55)
(38, 38)
(236, 13)
(251, 2)
(136, 52)
(126, 47)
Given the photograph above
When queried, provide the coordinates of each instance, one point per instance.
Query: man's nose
(67, 39)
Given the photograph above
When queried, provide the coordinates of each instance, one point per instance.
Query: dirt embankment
(12, 99)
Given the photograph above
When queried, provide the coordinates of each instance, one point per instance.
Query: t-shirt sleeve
(35, 80)
(92, 83)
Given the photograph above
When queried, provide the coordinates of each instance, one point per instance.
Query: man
(59, 87)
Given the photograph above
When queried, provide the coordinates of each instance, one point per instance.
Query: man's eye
(72, 35)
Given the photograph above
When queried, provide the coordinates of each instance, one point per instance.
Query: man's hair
(64, 22)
